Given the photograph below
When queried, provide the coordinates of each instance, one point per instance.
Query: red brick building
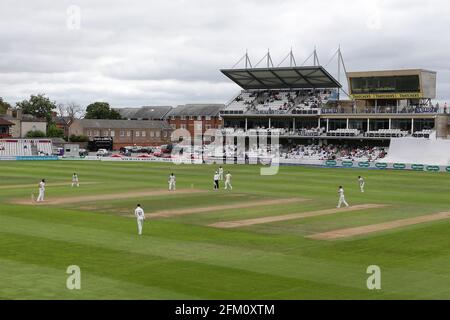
(5, 127)
(196, 116)
(125, 132)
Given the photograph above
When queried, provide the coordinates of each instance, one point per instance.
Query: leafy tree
(4, 106)
(35, 134)
(39, 106)
(101, 110)
(74, 138)
(54, 132)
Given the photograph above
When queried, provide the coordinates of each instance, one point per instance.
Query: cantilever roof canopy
(282, 78)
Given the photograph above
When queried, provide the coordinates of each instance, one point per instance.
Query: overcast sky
(169, 52)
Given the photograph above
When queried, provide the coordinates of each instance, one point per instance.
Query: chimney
(19, 114)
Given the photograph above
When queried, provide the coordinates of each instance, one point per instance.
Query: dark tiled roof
(62, 120)
(123, 124)
(4, 122)
(31, 118)
(144, 113)
(7, 117)
(195, 110)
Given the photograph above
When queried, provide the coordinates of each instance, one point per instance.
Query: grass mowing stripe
(414, 261)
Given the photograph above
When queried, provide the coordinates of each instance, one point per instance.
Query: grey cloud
(170, 52)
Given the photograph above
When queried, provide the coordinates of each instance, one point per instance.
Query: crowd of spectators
(282, 102)
(293, 152)
(334, 152)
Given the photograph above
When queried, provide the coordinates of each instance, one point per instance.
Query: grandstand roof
(144, 113)
(212, 110)
(282, 78)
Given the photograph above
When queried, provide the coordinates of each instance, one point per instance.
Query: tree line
(40, 106)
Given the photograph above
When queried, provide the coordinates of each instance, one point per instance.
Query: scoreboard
(402, 84)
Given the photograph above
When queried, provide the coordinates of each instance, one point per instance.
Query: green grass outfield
(182, 258)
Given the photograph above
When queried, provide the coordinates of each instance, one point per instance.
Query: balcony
(388, 110)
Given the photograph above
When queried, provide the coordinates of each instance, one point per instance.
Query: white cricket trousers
(41, 195)
(362, 187)
(140, 224)
(172, 186)
(228, 185)
(342, 201)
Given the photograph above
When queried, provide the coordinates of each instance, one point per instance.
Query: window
(191, 117)
(208, 118)
(122, 133)
(89, 133)
(105, 133)
(97, 133)
(183, 126)
(199, 118)
(144, 133)
(113, 133)
(172, 117)
(183, 117)
(385, 84)
(128, 133)
(152, 134)
(158, 134)
(138, 133)
(165, 134)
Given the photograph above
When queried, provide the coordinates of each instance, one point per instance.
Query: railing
(5, 135)
(385, 110)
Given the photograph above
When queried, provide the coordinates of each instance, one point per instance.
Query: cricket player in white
(75, 181)
(220, 173)
(172, 182)
(216, 181)
(361, 183)
(41, 191)
(228, 181)
(342, 197)
(140, 216)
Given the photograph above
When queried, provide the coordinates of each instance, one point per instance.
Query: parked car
(103, 153)
(167, 148)
(83, 153)
(125, 151)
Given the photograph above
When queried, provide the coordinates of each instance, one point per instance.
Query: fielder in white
(172, 182)
(361, 183)
(220, 173)
(216, 181)
(41, 191)
(228, 181)
(342, 198)
(140, 216)
(75, 181)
